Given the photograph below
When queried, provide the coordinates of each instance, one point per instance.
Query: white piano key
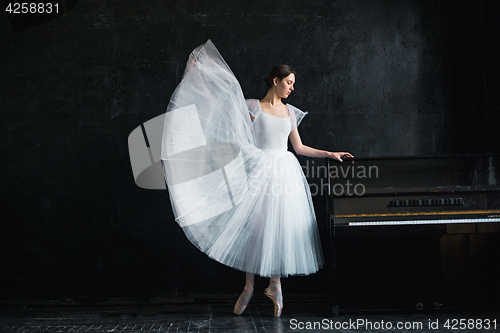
(416, 222)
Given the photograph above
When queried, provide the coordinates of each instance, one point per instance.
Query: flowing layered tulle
(247, 208)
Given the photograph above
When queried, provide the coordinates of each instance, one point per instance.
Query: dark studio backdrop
(379, 78)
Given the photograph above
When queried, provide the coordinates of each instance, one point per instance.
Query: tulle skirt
(245, 207)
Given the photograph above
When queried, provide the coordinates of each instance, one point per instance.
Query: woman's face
(285, 87)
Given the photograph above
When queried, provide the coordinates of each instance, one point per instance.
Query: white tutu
(245, 207)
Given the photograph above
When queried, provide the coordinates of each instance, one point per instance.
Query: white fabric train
(245, 207)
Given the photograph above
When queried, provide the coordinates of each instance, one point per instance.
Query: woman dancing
(238, 193)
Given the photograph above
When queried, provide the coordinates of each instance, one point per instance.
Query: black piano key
(426, 202)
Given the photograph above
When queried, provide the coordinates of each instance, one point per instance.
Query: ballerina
(237, 192)
(280, 83)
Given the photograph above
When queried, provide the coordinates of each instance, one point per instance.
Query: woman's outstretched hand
(339, 156)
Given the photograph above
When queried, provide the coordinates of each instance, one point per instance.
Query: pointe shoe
(277, 300)
(243, 300)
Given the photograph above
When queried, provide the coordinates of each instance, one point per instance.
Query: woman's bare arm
(304, 150)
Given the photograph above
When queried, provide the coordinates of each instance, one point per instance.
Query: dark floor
(204, 315)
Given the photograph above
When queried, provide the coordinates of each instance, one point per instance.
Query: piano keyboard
(414, 222)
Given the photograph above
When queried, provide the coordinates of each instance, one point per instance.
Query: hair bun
(279, 72)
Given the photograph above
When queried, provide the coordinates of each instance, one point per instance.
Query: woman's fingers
(338, 156)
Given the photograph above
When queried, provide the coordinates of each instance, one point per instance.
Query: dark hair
(280, 71)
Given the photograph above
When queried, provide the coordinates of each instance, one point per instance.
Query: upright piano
(419, 233)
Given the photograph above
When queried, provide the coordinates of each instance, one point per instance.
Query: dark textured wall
(379, 78)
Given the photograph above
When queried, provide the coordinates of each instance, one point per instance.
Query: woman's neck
(272, 98)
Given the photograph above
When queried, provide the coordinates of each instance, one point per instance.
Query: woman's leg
(250, 277)
(274, 293)
(246, 295)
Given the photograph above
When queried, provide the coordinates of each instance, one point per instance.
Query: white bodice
(271, 132)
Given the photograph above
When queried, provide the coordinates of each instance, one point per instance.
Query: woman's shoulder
(296, 110)
(296, 115)
(252, 102)
(253, 106)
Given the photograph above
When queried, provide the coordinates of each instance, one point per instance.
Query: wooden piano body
(417, 233)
